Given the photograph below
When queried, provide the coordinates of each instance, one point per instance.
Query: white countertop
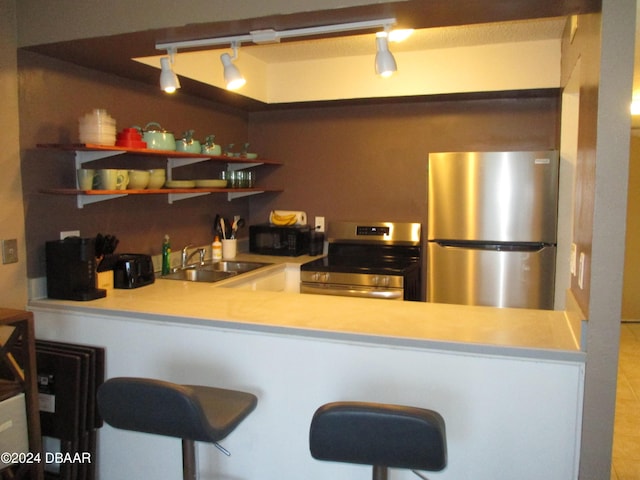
(484, 330)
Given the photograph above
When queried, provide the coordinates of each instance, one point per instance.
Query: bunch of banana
(283, 219)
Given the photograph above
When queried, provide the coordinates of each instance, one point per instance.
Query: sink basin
(233, 266)
(213, 272)
(198, 275)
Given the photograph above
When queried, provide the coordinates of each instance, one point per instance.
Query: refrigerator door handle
(497, 247)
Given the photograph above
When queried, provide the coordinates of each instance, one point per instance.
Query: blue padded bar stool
(192, 413)
(380, 435)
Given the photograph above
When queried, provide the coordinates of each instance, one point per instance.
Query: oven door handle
(345, 290)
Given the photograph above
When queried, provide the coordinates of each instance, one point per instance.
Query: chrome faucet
(185, 258)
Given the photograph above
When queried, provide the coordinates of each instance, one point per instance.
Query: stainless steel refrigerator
(491, 229)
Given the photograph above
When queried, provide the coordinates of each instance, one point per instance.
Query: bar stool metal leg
(188, 460)
(380, 472)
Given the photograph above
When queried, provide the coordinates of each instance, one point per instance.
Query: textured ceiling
(112, 54)
(424, 39)
(189, 63)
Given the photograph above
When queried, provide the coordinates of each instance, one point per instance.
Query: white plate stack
(98, 128)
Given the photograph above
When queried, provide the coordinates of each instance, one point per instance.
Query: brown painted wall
(358, 162)
(585, 47)
(370, 162)
(53, 95)
(13, 279)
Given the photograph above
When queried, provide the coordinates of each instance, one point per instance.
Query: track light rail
(274, 36)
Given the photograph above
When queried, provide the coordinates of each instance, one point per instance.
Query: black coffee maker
(71, 269)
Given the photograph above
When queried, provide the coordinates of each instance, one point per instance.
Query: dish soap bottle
(216, 249)
(166, 253)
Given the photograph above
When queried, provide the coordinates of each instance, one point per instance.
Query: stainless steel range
(367, 259)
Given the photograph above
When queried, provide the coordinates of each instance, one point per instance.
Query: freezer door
(491, 277)
(493, 196)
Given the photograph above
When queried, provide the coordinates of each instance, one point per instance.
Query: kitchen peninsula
(508, 382)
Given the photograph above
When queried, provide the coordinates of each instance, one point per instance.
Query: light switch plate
(10, 251)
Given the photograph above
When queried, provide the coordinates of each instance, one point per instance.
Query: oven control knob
(320, 276)
(380, 281)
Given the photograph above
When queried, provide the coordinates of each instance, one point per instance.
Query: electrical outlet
(581, 268)
(10, 251)
(573, 259)
(70, 233)
(319, 224)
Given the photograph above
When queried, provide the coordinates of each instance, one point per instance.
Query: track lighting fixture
(168, 79)
(232, 76)
(261, 37)
(385, 63)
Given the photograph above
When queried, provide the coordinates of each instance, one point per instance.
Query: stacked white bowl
(97, 127)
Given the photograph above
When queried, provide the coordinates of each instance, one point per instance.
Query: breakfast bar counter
(508, 382)
(533, 333)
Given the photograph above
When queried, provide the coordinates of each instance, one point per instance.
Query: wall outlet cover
(573, 260)
(581, 268)
(10, 251)
(69, 233)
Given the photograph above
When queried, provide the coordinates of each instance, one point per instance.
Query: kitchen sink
(198, 275)
(232, 266)
(213, 272)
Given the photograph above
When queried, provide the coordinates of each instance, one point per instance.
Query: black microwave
(269, 239)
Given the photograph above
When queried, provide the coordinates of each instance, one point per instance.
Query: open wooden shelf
(159, 191)
(88, 147)
(85, 153)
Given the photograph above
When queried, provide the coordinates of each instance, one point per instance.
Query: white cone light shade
(385, 63)
(168, 79)
(232, 76)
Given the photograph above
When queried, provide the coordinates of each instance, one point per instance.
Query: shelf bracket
(234, 195)
(89, 199)
(232, 167)
(90, 156)
(175, 197)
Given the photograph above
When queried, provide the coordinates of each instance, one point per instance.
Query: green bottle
(166, 253)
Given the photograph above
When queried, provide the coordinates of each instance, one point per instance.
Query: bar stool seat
(190, 412)
(380, 435)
